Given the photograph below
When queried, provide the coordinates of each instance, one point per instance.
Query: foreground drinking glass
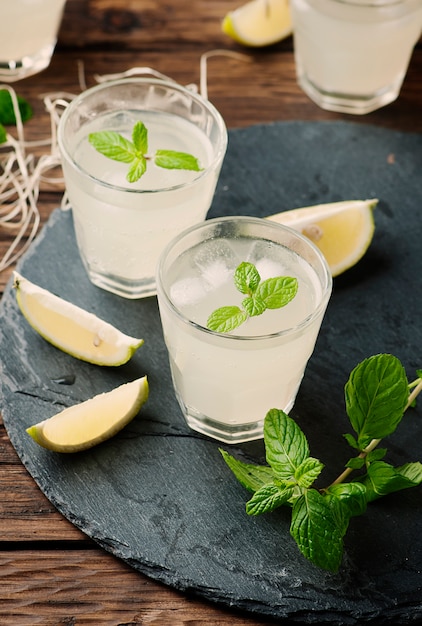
(122, 227)
(226, 383)
(352, 55)
(28, 34)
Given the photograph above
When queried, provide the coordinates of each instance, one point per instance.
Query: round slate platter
(159, 496)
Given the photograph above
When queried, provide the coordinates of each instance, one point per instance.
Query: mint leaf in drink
(253, 306)
(7, 112)
(277, 292)
(136, 170)
(225, 319)
(114, 146)
(173, 160)
(247, 278)
(140, 138)
(272, 293)
(320, 516)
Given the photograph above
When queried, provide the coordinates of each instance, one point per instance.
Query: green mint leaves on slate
(272, 293)
(7, 113)
(114, 146)
(377, 395)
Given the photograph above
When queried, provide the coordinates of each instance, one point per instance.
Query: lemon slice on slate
(259, 22)
(66, 326)
(84, 425)
(343, 231)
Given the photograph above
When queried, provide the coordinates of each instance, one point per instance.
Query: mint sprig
(377, 396)
(272, 293)
(114, 146)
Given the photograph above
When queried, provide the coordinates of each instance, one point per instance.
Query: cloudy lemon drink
(352, 55)
(28, 33)
(241, 302)
(141, 159)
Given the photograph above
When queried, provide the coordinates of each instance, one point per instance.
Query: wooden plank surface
(50, 572)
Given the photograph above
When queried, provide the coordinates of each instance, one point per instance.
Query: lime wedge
(259, 22)
(86, 424)
(343, 231)
(66, 326)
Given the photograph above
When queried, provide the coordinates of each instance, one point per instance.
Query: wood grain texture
(91, 587)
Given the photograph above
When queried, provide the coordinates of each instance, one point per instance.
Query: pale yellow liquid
(357, 50)
(122, 227)
(235, 380)
(27, 26)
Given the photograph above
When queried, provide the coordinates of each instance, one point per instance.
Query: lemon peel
(72, 329)
(89, 423)
(343, 231)
(259, 22)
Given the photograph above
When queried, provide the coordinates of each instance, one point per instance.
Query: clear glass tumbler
(121, 227)
(352, 55)
(227, 382)
(28, 34)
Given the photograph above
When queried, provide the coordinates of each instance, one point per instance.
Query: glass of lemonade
(28, 33)
(122, 227)
(352, 55)
(226, 382)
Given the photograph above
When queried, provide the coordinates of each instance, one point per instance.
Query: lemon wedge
(81, 334)
(343, 231)
(259, 22)
(84, 425)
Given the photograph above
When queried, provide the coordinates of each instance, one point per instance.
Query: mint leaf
(173, 160)
(113, 146)
(3, 134)
(225, 319)
(351, 495)
(356, 463)
(320, 518)
(252, 477)
(246, 278)
(376, 455)
(268, 498)
(136, 170)
(351, 441)
(7, 112)
(254, 306)
(277, 292)
(382, 478)
(272, 293)
(308, 471)
(285, 443)
(140, 138)
(376, 396)
(316, 532)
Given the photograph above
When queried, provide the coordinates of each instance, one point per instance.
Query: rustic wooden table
(50, 572)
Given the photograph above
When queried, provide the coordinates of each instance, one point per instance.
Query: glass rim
(80, 98)
(326, 288)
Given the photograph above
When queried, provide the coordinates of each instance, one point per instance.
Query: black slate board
(159, 496)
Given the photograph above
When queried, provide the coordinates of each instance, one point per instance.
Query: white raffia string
(21, 174)
(20, 178)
